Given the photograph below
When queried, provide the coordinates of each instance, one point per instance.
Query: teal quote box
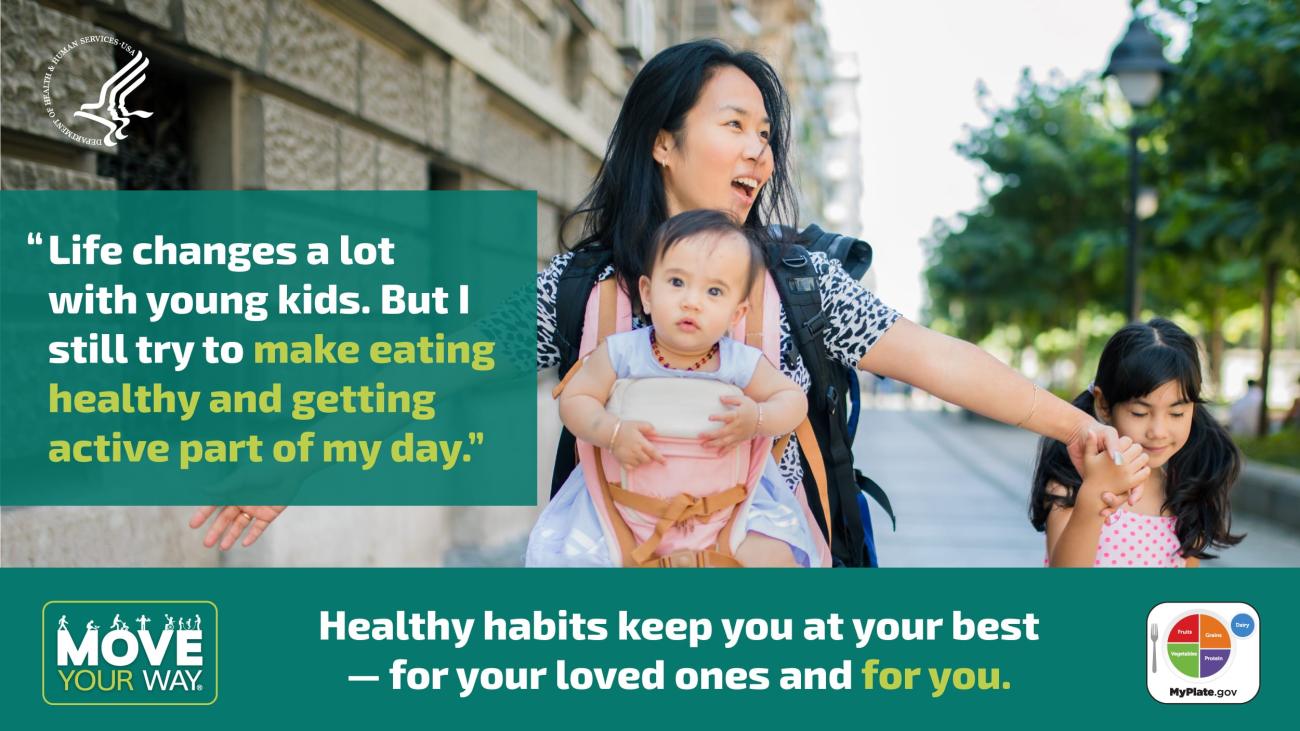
(327, 348)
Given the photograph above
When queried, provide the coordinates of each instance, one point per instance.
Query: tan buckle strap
(813, 453)
(573, 371)
(693, 560)
(682, 506)
(622, 533)
(682, 509)
(778, 449)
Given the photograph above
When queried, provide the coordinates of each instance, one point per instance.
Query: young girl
(699, 273)
(1148, 387)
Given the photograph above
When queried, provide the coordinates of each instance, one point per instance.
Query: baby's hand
(631, 447)
(740, 424)
(1102, 475)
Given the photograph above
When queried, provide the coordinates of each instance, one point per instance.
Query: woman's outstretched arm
(963, 374)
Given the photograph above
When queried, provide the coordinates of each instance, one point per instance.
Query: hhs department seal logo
(111, 108)
(98, 653)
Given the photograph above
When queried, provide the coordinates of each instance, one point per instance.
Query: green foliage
(1282, 448)
(1044, 256)
(1232, 123)
(1047, 243)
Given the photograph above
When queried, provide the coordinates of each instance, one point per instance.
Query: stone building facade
(346, 94)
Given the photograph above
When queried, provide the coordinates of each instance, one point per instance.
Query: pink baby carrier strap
(699, 524)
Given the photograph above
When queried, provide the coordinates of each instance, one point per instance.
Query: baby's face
(697, 291)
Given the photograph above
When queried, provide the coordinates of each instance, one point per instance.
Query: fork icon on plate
(1155, 634)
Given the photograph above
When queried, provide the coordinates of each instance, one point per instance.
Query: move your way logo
(129, 653)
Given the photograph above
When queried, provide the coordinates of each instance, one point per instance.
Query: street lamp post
(1138, 64)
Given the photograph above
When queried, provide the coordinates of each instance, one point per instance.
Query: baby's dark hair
(1137, 360)
(702, 221)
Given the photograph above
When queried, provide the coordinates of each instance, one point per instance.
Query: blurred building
(842, 158)
(360, 94)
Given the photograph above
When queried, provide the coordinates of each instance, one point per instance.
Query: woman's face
(1160, 421)
(720, 159)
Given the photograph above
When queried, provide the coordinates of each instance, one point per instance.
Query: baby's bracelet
(614, 437)
(758, 428)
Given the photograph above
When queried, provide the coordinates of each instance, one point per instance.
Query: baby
(699, 271)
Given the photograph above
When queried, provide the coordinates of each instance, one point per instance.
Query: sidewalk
(960, 490)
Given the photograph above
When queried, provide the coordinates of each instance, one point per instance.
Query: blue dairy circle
(1243, 625)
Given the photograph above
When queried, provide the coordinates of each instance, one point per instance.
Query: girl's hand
(1092, 436)
(1103, 478)
(631, 446)
(232, 520)
(740, 424)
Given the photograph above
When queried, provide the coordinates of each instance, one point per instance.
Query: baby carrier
(838, 502)
(680, 513)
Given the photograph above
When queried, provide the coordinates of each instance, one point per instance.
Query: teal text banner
(326, 648)
(259, 347)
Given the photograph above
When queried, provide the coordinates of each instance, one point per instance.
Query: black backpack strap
(877, 493)
(854, 254)
(574, 289)
(796, 281)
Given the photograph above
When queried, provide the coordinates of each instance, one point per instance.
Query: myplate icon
(129, 652)
(1203, 652)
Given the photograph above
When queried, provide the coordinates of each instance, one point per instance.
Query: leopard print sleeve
(856, 317)
(548, 281)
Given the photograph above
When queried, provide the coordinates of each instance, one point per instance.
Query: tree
(1046, 246)
(1233, 131)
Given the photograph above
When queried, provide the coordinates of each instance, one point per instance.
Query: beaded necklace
(654, 347)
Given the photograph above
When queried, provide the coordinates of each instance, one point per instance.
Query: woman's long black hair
(1137, 360)
(627, 202)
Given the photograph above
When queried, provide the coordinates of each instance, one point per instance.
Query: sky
(920, 61)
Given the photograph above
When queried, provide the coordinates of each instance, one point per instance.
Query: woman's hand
(1103, 476)
(232, 520)
(269, 478)
(1091, 437)
(739, 425)
(631, 446)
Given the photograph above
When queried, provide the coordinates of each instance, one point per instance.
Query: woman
(703, 126)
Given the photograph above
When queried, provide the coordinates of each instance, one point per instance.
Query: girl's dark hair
(1137, 360)
(694, 223)
(626, 202)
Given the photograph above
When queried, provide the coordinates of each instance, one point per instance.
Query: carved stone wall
(312, 52)
(156, 12)
(286, 146)
(436, 100)
(466, 99)
(30, 35)
(234, 30)
(26, 175)
(392, 91)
